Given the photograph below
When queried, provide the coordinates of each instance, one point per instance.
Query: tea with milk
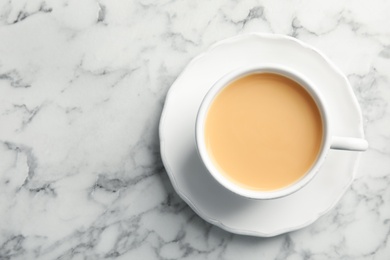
(263, 131)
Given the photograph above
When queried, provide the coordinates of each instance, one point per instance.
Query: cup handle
(348, 143)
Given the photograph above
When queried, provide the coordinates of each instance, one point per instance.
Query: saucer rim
(189, 202)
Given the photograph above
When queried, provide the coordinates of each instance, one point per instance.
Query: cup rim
(218, 86)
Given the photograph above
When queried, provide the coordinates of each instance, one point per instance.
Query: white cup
(329, 141)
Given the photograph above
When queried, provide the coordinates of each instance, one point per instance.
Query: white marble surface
(82, 85)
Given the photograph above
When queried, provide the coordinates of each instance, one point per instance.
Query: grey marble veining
(82, 86)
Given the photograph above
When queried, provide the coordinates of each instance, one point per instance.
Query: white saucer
(208, 198)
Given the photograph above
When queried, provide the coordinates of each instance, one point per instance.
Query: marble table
(82, 86)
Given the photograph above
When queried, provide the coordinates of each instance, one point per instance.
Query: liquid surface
(263, 131)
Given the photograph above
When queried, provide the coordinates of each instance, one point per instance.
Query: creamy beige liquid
(264, 131)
